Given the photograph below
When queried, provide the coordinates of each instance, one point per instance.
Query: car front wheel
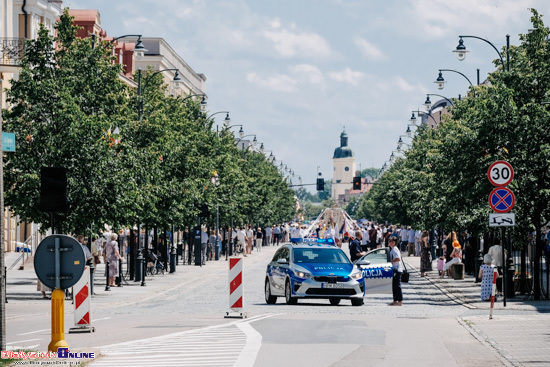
(269, 299)
(357, 301)
(335, 301)
(288, 295)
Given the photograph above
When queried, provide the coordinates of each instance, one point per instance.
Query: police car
(313, 270)
(377, 268)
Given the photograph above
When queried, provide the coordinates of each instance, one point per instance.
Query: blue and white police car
(377, 269)
(313, 270)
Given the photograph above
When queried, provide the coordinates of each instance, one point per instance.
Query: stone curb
(504, 357)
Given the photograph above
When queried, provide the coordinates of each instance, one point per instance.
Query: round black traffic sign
(71, 261)
(502, 199)
(500, 173)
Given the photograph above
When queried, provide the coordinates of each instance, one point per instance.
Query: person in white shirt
(410, 241)
(241, 240)
(496, 260)
(268, 234)
(204, 244)
(249, 239)
(364, 239)
(276, 235)
(397, 265)
(417, 247)
(404, 236)
(294, 234)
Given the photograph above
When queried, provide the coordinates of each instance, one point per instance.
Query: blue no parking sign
(502, 199)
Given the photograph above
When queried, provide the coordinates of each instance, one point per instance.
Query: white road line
(22, 341)
(230, 344)
(34, 332)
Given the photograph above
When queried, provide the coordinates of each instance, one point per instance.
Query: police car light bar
(327, 241)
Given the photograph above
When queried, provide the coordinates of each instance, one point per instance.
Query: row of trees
(442, 178)
(69, 108)
(441, 182)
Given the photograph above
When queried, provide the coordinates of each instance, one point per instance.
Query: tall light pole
(461, 50)
(440, 81)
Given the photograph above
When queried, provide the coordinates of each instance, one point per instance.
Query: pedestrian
(212, 243)
(355, 251)
(268, 235)
(41, 287)
(456, 256)
(486, 275)
(249, 240)
(259, 237)
(417, 243)
(276, 235)
(112, 256)
(410, 240)
(373, 233)
(496, 259)
(441, 263)
(404, 236)
(204, 244)
(397, 265)
(241, 241)
(425, 257)
(364, 239)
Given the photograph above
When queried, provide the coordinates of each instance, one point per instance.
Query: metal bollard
(143, 271)
(510, 271)
(138, 266)
(172, 259)
(107, 286)
(92, 270)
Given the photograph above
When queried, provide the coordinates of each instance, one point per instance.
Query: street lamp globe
(262, 147)
(409, 131)
(139, 49)
(413, 119)
(227, 120)
(428, 103)
(177, 78)
(440, 81)
(203, 103)
(460, 50)
(241, 132)
(254, 141)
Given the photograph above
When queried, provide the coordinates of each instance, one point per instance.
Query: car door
(274, 273)
(378, 274)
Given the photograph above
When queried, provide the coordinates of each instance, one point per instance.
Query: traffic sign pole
(58, 321)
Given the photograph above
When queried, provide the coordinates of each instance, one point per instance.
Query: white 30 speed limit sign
(500, 173)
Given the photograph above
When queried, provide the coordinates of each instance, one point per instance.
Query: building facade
(20, 20)
(343, 163)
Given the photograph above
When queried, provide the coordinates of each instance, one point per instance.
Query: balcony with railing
(11, 51)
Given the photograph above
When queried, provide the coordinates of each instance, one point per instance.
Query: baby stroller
(154, 266)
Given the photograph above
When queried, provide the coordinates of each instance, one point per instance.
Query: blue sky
(294, 72)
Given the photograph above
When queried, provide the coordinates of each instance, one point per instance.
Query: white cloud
(369, 50)
(278, 82)
(347, 76)
(403, 85)
(297, 44)
(308, 73)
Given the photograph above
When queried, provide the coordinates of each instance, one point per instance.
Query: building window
(346, 169)
(338, 181)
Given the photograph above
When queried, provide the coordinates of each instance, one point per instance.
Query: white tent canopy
(332, 222)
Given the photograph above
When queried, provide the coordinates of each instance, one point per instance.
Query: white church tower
(344, 167)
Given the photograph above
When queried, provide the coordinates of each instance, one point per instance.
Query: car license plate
(333, 285)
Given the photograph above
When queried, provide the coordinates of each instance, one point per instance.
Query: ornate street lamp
(139, 49)
(461, 51)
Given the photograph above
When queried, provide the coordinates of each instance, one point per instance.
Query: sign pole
(2, 272)
(503, 231)
(58, 306)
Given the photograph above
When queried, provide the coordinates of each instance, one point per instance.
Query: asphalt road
(178, 320)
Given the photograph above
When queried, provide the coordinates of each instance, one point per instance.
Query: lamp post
(440, 81)
(177, 79)
(139, 49)
(428, 103)
(461, 50)
(420, 113)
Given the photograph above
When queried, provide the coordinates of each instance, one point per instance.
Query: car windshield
(320, 255)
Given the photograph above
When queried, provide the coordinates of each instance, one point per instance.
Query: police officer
(355, 251)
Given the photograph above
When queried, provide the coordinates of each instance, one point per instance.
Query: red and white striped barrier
(81, 293)
(493, 292)
(235, 288)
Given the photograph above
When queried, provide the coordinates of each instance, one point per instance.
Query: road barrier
(82, 296)
(235, 288)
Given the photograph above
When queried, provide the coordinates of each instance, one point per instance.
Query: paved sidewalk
(519, 332)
